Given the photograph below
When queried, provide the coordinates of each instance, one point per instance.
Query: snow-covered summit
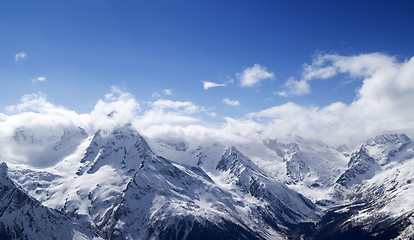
(123, 186)
(387, 139)
(384, 148)
(376, 191)
(279, 203)
(233, 160)
(375, 155)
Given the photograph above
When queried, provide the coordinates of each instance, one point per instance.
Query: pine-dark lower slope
(338, 224)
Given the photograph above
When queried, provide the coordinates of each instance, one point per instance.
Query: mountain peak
(232, 159)
(119, 148)
(3, 169)
(373, 156)
(389, 139)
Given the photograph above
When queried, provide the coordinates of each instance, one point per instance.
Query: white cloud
(383, 103)
(282, 93)
(28, 133)
(211, 114)
(208, 85)
(330, 65)
(43, 123)
(252, 76)
(157, 117)
(117, 109)
(187, 107)
(363, 65)
(231, 102)
(33, 102)
(167, 114)
(39, 79)
(3, 117)
(20, 56)
(167, 91)
(295, 87)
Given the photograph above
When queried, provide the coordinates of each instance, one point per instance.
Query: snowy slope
(277, 205)
(307, 166)
(89, 183)
(373, 157)
(171, 201)
(377, 191)
(205, 155)
(390, 191)
(309, 162)
(114, 183)
(125, 187)
(22, 217)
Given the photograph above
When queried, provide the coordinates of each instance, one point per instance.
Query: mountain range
(120, 185)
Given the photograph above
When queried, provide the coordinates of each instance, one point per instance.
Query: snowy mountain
(115, 184)
(372, 156)
(119, 185)
(46, 148)
(377, 191)
(278, 203)
(308, 166)
(22, 217)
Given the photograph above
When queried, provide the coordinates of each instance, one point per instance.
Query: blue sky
(73, 52)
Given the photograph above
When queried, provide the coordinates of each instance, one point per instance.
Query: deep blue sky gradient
(85, 47)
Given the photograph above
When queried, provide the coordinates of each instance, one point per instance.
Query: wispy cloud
(252, 76)
(167, 115)
(187, 107)
(39, 79)
(330, 65)
(231, 102)
(20, 56)
(295, 87)
(208, 85)
(167, 91)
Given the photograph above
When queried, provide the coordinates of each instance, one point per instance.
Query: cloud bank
(383, 103)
